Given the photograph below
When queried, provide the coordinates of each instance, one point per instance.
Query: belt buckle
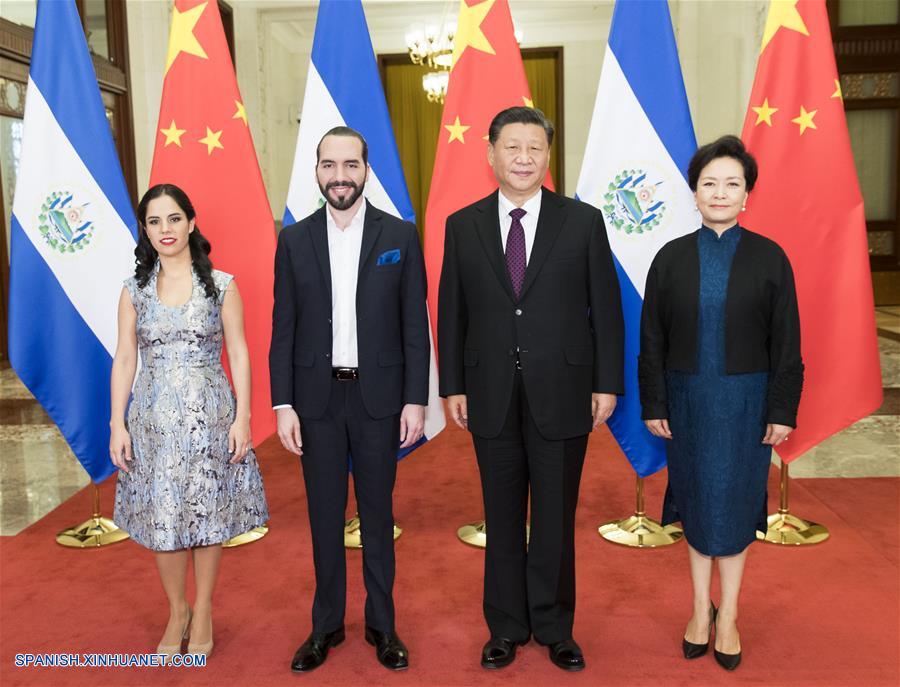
(345, 374)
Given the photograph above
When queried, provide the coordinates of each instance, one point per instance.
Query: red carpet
(822, 615)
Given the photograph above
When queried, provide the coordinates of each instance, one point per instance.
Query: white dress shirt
(532, 208)
(344, 247)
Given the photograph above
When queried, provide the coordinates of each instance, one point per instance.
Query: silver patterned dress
(181, 491)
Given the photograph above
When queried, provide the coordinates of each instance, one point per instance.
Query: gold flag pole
(97, 531)
(786, 529)
(353, 536)
(639, 530)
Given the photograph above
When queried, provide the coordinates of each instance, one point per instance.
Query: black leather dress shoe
(567, 655)
(313, 652)
(389, 649)
(499, 652)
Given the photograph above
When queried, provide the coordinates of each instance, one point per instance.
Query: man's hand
(289, 430)
(659, 428)
(602, 406)
(459, 410)
(412, 424)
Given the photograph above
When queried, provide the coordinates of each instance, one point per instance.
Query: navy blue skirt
(718, 465)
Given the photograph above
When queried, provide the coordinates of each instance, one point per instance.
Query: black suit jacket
(762, 322)
(391, 318)
(567, 322)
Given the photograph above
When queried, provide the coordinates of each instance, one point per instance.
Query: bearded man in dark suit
(349, 372)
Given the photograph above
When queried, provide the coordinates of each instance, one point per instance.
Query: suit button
(518, 311)
(329, 320)
(328, 355)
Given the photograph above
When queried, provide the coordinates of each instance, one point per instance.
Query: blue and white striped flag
(343, 89)
(72, 240)
(635, 170)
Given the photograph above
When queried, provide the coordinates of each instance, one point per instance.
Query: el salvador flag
(635, 170)
(72, 240)
(343, 89)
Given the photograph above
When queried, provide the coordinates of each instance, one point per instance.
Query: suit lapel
(371, 231)
(318, 232)
(549, 225)
(488, 226)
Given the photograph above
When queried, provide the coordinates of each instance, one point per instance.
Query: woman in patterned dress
(188, 478)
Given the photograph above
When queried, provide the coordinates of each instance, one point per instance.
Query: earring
(743, 208)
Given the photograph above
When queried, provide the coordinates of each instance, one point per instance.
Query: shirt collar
(356, 223)
(532, 206)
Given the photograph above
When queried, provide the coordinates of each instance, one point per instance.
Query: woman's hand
(776, 434)
(239, 442)
(659, 428)
(120, 447)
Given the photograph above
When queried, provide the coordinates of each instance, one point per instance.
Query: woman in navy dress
(720, 375)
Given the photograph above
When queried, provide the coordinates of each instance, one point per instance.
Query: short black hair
(726, 146)
(345, 131)
(519, 115)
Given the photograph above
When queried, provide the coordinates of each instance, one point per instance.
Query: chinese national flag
(203, 145)
(487, 77)
(808, 200)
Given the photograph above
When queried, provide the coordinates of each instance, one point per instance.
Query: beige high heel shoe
(205, 648)
(171, 649)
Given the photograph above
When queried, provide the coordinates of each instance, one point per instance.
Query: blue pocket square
(389, 257)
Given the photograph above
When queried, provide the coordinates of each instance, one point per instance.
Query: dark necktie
(515, 250)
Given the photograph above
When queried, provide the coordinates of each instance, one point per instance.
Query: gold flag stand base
(248, 537)
(353, 537)
(97, 531)
(790, 530)
(639, 531)
(475, 534)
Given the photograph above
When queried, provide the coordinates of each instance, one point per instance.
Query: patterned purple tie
(515, 250)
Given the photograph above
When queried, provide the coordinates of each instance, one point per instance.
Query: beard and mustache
(355, 191)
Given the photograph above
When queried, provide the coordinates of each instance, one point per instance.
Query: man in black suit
(349, 371)
(530, 337)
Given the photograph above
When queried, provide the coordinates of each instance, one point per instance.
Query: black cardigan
(762, 323)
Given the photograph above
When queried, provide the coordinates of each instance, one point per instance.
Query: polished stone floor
(38, 470)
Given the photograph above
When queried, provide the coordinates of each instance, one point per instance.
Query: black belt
(345, 374)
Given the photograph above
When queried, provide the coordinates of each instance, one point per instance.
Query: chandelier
(432, 47)
(435, 85)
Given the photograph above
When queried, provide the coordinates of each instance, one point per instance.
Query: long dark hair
(145, 254)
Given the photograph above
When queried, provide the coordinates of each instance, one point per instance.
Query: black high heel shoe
(727, 661)
(692, 650)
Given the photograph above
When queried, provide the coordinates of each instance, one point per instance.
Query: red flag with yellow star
(487, 76)
(203, 145)
(808, 200)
